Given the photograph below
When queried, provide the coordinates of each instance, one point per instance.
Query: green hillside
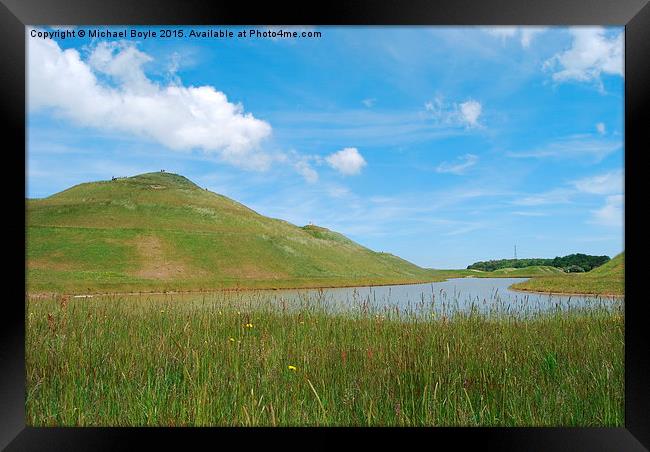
(160, 231)
(608, 279)
(534, 270)
(613, 268)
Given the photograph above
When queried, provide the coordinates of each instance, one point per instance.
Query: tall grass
(234, 359)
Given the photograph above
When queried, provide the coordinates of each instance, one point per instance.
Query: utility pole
(515, 251)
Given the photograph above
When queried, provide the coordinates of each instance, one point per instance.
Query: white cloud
(602, 184)
(369, 102)
(611, 214)
(347, 161)
(591, 54)
(457, 114)
(525, 34)
(600, 127)
(460, 166)
(178, 117)
(471, 110)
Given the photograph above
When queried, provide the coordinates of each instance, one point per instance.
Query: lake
(487, 296)
(483, 295)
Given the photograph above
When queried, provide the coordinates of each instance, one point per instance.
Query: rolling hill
(608, 279)
(533, 270)
(160, 231)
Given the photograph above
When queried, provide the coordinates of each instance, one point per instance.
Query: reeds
(255, 359)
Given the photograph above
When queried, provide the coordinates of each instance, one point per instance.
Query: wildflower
(294, 368)
(231, 339)
(249, 325)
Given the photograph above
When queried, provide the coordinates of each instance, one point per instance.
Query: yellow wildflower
(294, 368)
(232, 339)
(249, 325)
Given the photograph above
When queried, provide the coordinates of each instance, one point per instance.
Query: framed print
(401, 219)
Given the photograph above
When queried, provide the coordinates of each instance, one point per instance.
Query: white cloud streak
(611, 214)
(579, 147)
(462, 164)
(602, 184)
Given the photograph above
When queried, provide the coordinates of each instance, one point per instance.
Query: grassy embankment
(608, 279)
(156, 361)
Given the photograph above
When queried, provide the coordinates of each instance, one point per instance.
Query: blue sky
(443, 145)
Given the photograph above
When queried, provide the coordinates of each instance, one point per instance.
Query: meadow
(236, 359)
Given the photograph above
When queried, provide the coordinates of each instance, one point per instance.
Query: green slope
(613, 268)
(160, 231)
(608, 279)
(534, 270)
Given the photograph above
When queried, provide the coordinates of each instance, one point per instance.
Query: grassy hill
(160, 231)
(608, 279)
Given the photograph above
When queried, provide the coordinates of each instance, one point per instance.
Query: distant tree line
(572, 263)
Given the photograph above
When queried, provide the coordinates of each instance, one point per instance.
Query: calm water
(481, 295)
(484, 295)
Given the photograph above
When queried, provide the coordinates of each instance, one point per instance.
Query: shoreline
(221, 289)
(42, 295)
(603, 295)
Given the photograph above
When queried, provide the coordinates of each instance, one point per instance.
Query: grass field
(608, 279)
(233, 360)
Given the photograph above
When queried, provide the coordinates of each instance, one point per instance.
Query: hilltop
(608, 279)
(161, 231)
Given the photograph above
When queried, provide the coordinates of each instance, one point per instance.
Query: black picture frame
(15, 14)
